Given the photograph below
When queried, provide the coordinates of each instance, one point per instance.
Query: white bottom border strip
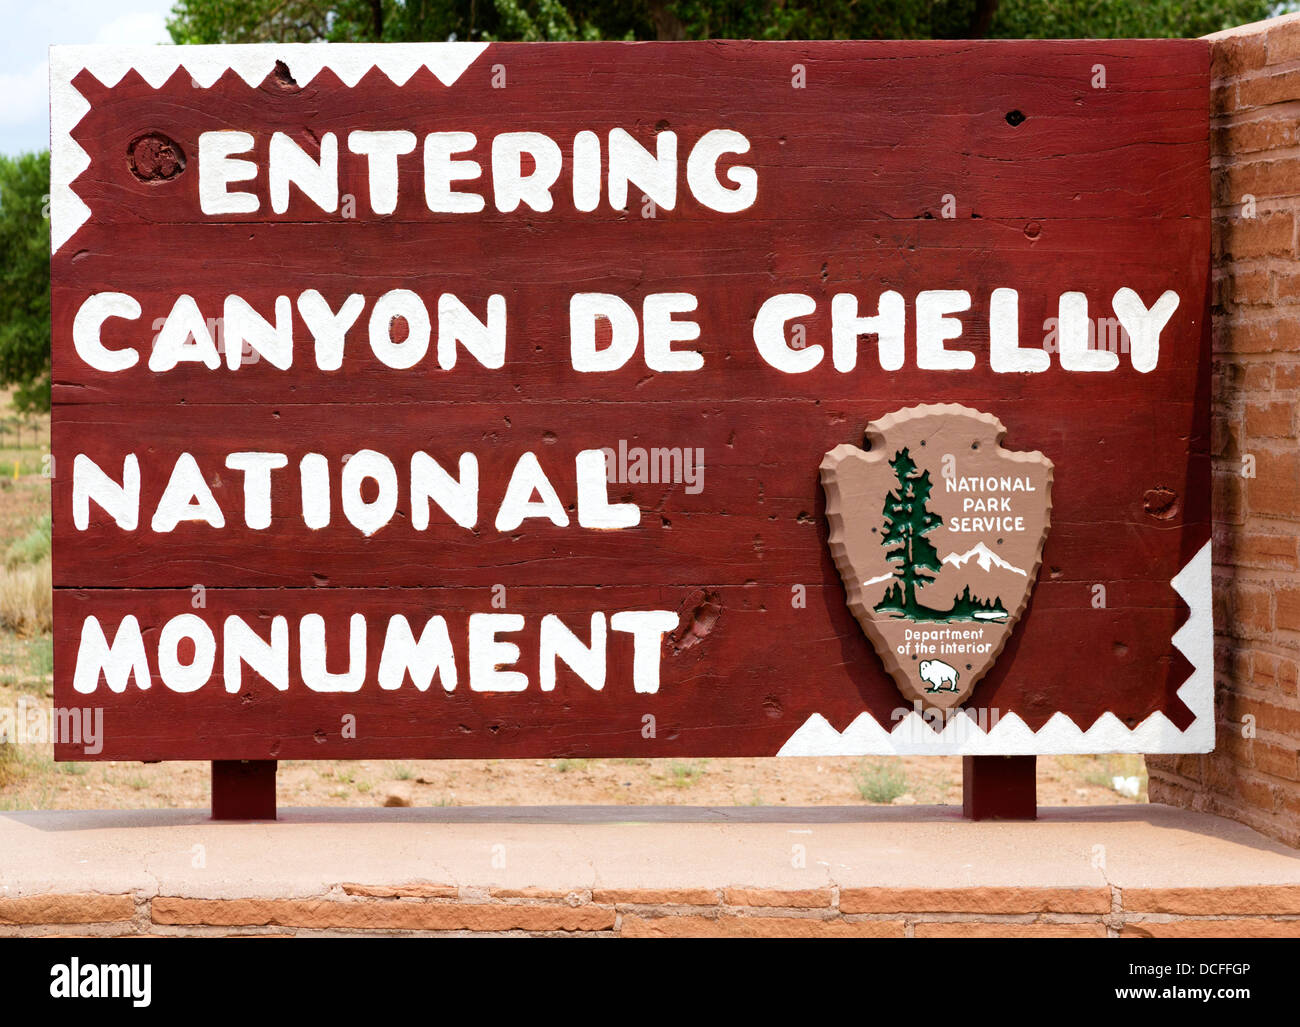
(985, 734)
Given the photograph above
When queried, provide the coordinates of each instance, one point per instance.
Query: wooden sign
(470, 400)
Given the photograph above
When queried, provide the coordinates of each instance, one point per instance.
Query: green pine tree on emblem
(907, 521)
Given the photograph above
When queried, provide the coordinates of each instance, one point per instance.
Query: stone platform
(1113, 871)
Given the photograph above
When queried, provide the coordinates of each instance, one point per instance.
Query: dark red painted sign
(469, 400)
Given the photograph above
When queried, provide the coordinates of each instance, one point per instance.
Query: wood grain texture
(1095, 190)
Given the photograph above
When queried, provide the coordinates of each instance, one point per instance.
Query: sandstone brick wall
(1253, 776)
(431, 909)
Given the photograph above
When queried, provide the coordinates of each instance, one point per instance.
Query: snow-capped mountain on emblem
(985, 557)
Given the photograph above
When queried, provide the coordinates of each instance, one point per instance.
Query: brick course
(731, 912)
(1254, 776)
(83, 908)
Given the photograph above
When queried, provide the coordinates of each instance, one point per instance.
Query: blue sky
(30, 26)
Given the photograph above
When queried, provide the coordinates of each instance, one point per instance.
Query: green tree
(907, 522)
(25, 278)
(388, 21)
(241, 21)
(1117, 19)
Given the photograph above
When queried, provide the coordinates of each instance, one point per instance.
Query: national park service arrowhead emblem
(938, 534)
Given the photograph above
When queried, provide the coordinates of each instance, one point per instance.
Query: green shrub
(881, 782)
(32, 547)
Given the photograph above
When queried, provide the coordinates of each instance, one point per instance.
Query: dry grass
(26, 599)
(10, 764)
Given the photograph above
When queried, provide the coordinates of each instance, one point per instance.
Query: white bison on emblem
(940, 676)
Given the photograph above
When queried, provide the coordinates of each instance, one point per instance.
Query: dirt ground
(36, 782)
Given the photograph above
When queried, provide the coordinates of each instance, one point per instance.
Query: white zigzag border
(448, 61)
(1011, 736)
(252, 62)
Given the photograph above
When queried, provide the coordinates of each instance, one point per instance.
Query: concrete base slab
(831, 863)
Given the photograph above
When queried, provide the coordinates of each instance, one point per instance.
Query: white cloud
(26, 95)
(24, 44)
(136, 28)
